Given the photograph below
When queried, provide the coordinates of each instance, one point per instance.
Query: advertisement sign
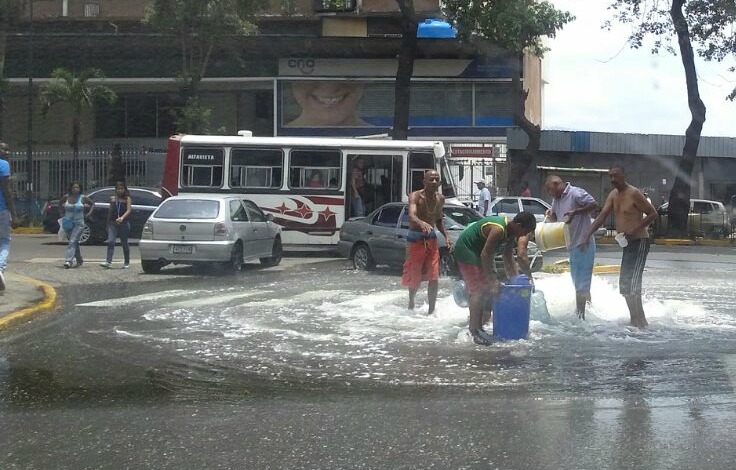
(359, 104)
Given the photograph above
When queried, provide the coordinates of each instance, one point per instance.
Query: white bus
(305, 183)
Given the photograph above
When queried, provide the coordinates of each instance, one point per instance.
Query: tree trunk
(679, 203)
(519, 161)
(407, 54)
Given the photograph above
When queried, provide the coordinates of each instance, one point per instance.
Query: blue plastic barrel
(435, 28)
(511, 309)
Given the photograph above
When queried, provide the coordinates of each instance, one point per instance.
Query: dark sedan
(380, 237)
(145, 201)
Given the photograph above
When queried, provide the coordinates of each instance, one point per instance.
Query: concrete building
(330, 55)
(650, 162)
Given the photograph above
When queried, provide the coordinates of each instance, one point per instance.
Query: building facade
(315, 67)
(650, 161)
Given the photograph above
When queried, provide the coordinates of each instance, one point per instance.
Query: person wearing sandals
(118, 224)
(72, 206)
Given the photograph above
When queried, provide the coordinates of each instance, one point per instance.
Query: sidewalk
(23, 299)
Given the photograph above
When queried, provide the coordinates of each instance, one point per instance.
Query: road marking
(86, 261)
(138, 298)
(216, 299)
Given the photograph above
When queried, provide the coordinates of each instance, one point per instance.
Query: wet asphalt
(252, 371)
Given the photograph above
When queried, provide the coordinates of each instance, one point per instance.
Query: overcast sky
(597, 83)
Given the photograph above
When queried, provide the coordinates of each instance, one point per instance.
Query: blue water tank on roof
(437, 29)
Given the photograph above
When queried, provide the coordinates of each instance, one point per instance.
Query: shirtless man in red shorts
(422, 250)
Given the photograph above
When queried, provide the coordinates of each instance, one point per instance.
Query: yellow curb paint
(26, 314)
(27, 230)
(607, 269)
(602, 269)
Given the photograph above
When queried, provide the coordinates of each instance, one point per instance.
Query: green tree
(518, 26)
(79, 93)
(200, 27)
(709, 24)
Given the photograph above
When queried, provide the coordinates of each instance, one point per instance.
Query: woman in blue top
(72, 205)
(118, 224)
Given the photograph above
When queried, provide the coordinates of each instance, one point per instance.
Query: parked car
(227, 230)
(380, 237)
(509, 206)
(706, 218)
(145, 201)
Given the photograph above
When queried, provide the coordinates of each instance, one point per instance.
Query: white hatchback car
(209, 228)
(509, 206)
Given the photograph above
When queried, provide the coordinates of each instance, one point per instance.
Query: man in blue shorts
(573, 205)
(7, 212)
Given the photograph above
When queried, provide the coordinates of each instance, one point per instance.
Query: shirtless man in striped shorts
(633, 215)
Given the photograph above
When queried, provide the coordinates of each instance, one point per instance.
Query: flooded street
(327, 365)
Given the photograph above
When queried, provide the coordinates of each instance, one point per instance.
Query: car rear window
(461, 215)
(188, 209)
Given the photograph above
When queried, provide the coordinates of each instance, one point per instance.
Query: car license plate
(182, 249)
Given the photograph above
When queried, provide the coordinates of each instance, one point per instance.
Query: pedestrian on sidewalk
(118, 224)
(72, 205)
(484, 199)
(525, 191)
(7, 211)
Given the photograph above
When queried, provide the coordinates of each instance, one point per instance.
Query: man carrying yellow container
(573, 205)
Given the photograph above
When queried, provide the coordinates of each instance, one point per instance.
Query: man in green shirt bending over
(475, 253)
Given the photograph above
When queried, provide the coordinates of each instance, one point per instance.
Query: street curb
(563, 266)
(715, 242)
(674, 241)
(607, 269)
(27, 230)
(47, 303)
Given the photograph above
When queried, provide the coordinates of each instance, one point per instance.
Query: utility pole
(29, 143)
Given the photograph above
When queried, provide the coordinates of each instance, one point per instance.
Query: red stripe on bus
(326, 200)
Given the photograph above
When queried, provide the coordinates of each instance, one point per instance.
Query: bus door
(375, 178)
(419, 163)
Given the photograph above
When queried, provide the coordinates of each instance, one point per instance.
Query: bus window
(202, 167)
(419, 162)
(256, 168)
(315, 169)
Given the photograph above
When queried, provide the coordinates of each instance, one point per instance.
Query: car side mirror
(269, 217)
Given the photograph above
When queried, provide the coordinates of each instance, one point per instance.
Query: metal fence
(54, 171)
(466, 172)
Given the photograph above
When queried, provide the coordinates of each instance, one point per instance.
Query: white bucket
(552, 235)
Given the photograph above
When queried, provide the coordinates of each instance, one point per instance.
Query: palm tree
(77, 92)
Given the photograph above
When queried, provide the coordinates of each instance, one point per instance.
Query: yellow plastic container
(552, 235)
